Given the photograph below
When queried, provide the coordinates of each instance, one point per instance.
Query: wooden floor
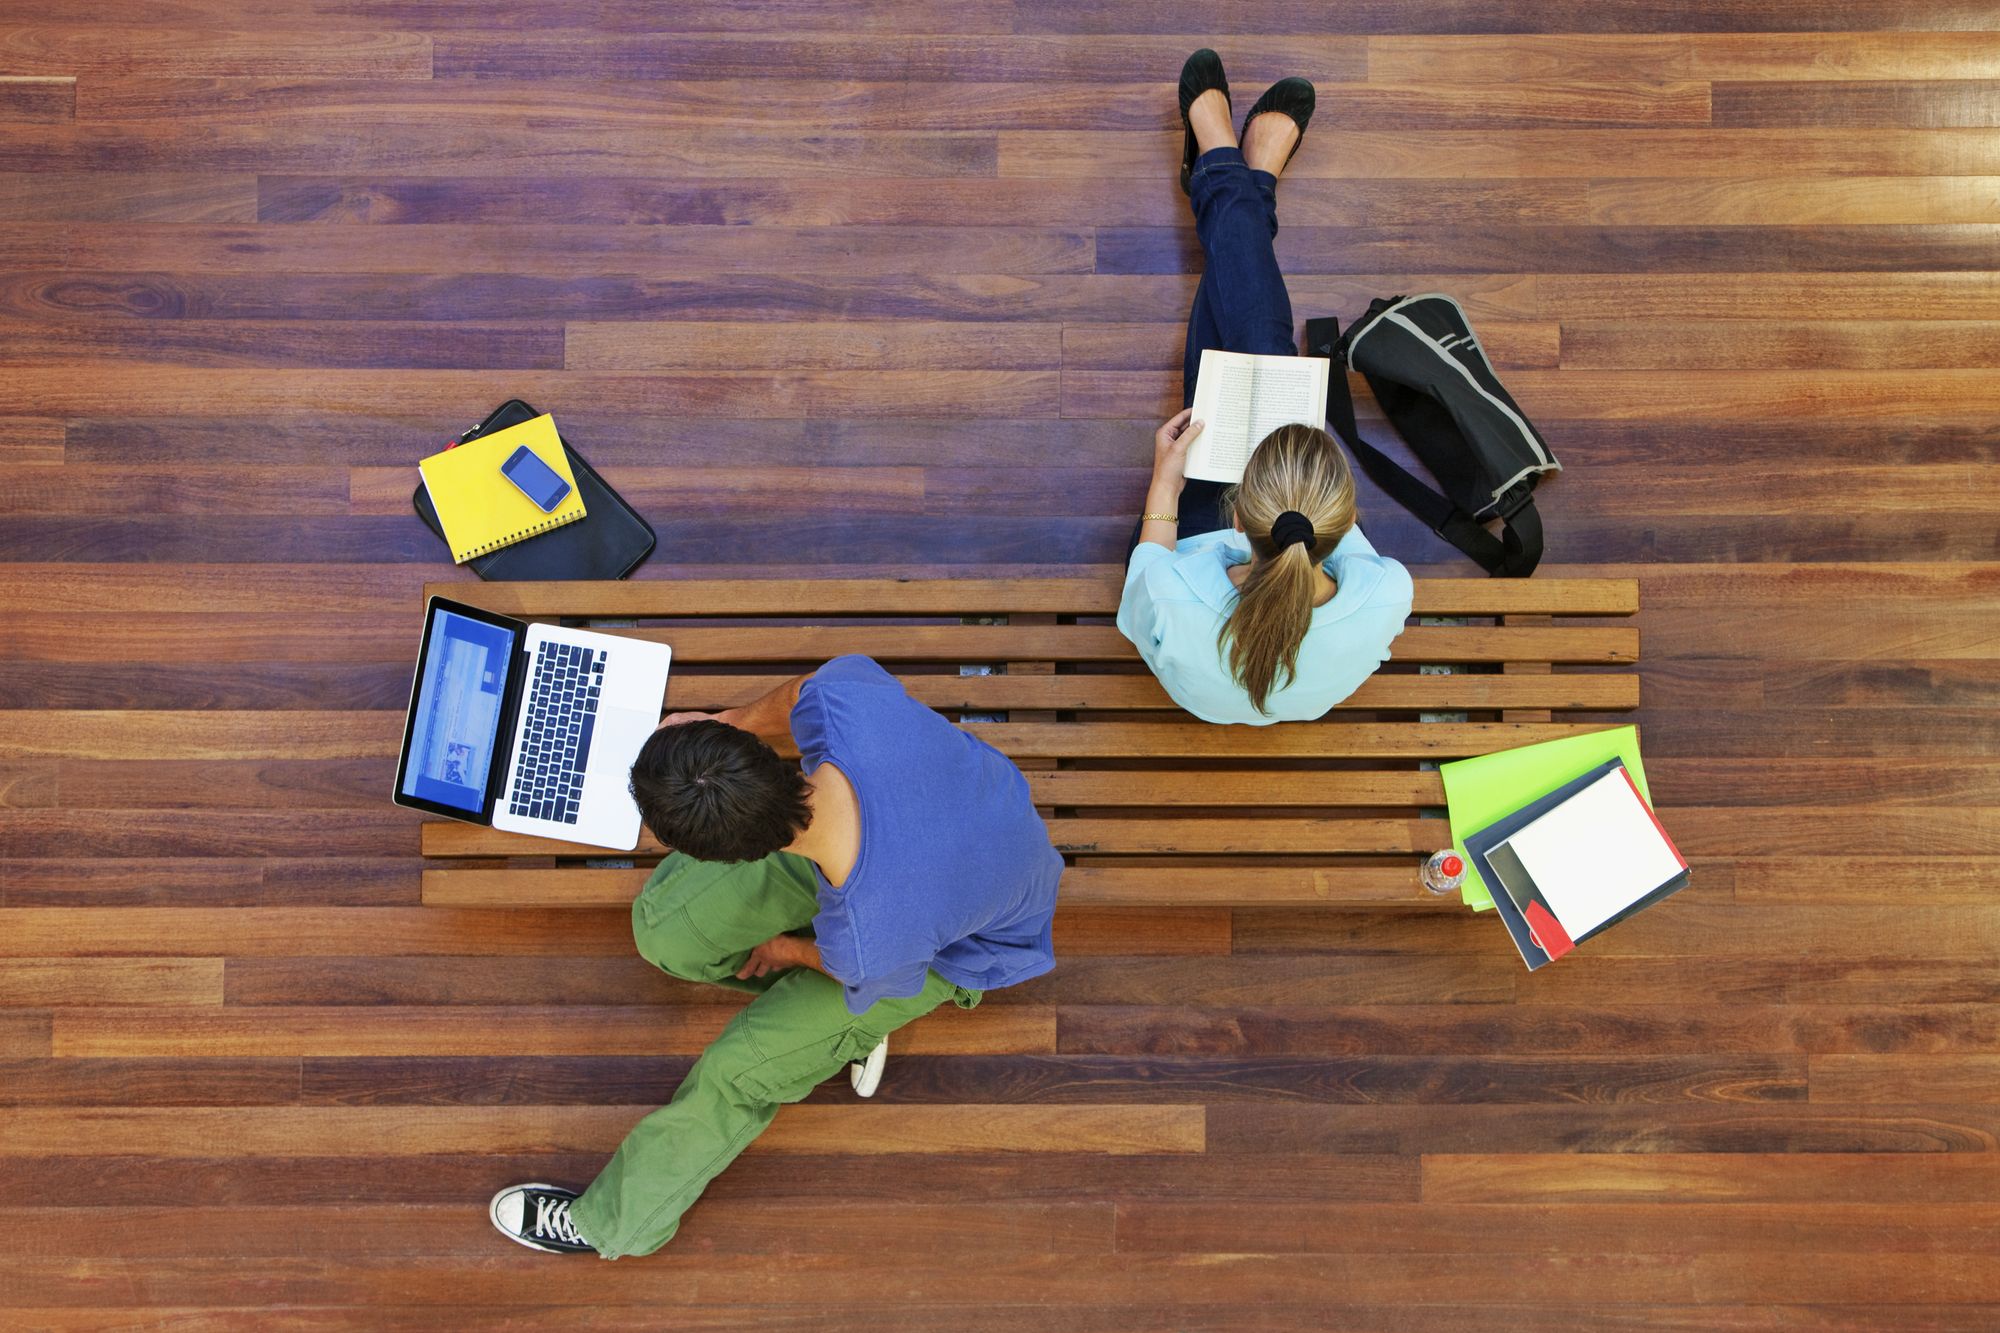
(879, 285)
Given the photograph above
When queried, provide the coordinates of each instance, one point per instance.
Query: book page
(1596, 854)
(1243, 398)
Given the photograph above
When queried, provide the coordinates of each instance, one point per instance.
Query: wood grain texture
(1928, 103)
(141, 50)
(891, 295)
(477, 1030)
(366, 1131)
(25, 98)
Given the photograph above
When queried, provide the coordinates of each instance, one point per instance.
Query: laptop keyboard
(561, 699)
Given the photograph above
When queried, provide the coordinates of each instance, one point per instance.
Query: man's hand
(675, 719)
(776, 954)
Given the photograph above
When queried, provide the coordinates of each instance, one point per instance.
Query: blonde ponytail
(1297, 468)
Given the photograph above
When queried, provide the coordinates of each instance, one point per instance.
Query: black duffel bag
(1427, 369)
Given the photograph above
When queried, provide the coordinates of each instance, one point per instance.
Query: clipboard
(1537, 934)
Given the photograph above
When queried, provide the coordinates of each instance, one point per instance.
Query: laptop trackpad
(620, 734)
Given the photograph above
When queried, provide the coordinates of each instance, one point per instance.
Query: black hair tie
(1292, 527)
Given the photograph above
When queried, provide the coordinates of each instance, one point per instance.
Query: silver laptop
(529, 728)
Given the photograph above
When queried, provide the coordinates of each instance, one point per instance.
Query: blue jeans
(1241, 304)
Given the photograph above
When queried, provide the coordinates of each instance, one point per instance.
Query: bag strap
(1513, 554)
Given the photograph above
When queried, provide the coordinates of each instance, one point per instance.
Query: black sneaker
(537, 1216)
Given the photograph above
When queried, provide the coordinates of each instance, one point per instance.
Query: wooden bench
(1148, 805)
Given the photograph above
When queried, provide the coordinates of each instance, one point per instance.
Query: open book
(1243, 398)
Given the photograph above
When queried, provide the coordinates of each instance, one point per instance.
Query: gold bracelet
(1159, 518)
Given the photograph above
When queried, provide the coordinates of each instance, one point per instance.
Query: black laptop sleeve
(609, 542)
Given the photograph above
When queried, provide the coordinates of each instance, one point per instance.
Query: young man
(911, 850)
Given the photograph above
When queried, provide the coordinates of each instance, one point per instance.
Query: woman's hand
(1170, 446)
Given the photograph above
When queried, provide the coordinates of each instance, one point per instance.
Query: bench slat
(1283, 836)
(1305, 740)
(1131, 837)
(1094, 595)
(1127, 787)
(1597, 692)
(813, 644)
(1082, 886)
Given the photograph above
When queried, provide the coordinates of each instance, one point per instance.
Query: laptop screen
(455, 719)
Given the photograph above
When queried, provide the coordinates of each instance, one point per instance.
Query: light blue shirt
(1175, 603)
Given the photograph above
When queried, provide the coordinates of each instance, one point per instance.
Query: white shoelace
(552, 1220)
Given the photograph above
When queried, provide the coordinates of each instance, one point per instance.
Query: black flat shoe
(1202, 72)
(1292, 97)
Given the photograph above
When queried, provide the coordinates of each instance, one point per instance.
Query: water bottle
(1444, 872)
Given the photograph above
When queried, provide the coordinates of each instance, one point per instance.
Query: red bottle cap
(1451, 865)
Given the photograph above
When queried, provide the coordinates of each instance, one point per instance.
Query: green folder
(1483, 790)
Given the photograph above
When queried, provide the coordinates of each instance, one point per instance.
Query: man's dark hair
(718, 793)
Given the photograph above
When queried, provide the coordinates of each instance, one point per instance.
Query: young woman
(1265, 604)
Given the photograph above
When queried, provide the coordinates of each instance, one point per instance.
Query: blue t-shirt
(956, 872)
(1176, 602)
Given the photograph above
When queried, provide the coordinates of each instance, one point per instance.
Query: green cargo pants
(699, 920)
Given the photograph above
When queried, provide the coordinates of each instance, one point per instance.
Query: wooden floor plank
(203, 51)
(78, 391)
(472, 1030)
(213, 198)
(1544, 153)
(1879, 247)
(1441, 1228)
(383, 197)
(912, 59)
(278, 343)
(1612, 1178)
(28, 99)
(1927, 103)
(811, 346)
(367, 1132)
(434, 1230)
(297, 932)
(555, 249)
(1858, 344)
(52, 983)
(1951, 1037)
(1892, 1078)
(1606, 1138)
(1755, 200)
(1503, 58)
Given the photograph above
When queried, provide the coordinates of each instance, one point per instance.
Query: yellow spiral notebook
(479, 509)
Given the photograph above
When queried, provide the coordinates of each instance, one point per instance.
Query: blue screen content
(458, 711)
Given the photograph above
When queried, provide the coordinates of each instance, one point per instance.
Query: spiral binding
(520, 536)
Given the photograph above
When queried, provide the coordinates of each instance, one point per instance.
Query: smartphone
(535, 479)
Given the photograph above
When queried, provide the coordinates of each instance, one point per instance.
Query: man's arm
(780, 952)
(768, 718)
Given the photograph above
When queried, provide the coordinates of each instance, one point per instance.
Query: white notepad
(1596, 854)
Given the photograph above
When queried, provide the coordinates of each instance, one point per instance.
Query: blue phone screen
(536, 479)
